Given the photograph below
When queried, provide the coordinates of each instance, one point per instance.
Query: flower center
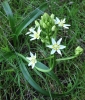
(33, 60)
(55, 47)
(37, 35)
(61, 23)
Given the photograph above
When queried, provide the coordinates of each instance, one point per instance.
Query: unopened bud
(46, 37)
(37, 23)
(42, 41)
(46, 16)
(52, 16)
(53, 28)
(44, 25)
(41, 23)
(78, 50)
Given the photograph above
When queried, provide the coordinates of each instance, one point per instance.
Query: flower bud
(37, 23)
(41, 23)
(45, 16)
(78, 51)
(42, 41)
(48, 23)
(44, 25)
(53, 28)
(52, 16)
(46, 37)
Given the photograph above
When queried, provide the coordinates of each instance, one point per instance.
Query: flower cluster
(46, 32)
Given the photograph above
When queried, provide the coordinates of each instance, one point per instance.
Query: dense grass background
(13, 86)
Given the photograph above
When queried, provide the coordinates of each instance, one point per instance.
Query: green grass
(13, 85)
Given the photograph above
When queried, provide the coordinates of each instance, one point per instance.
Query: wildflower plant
(44, 30)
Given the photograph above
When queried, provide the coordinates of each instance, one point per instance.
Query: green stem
(67, 58)
(47, 58)
(61, 59)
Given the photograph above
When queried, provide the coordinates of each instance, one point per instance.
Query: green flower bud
(37, 23)
(41, 23)
(42, 18)
(42, 41)
(44, 25)
(78, 51)
(52, 16)
(45, 17)
(53, 28)
(46, 37)
(48, 23)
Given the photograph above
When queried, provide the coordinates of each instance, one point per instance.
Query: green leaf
(29, 19)
(39, 74)
(9, 13)
(43, 68)
(30, 80)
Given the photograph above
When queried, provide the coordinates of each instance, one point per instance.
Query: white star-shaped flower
(61, 23)
(56, 46)
(30, 30)
(36, 34)
(32, 60)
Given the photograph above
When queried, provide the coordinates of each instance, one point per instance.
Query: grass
(13, 86)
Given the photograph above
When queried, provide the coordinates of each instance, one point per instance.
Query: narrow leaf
(30, 80)
(9, 13)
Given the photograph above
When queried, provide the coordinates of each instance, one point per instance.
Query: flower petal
(31, 54)
(53, 41)
(66, 26)
(53, 51)
(59, 41)
(32, 39)
(35, 55)
(31, 35)
(27, 33)
(30, 63)
(59, 52)
(33, 65)
(63, 21)
(62, 47)
(39, 30)
(31, 29)
(57, 20)
(49, 46)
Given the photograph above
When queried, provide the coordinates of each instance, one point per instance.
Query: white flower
(61, 23)
(32, 60)
(56, 46)
(30, 30)
(36, 34)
